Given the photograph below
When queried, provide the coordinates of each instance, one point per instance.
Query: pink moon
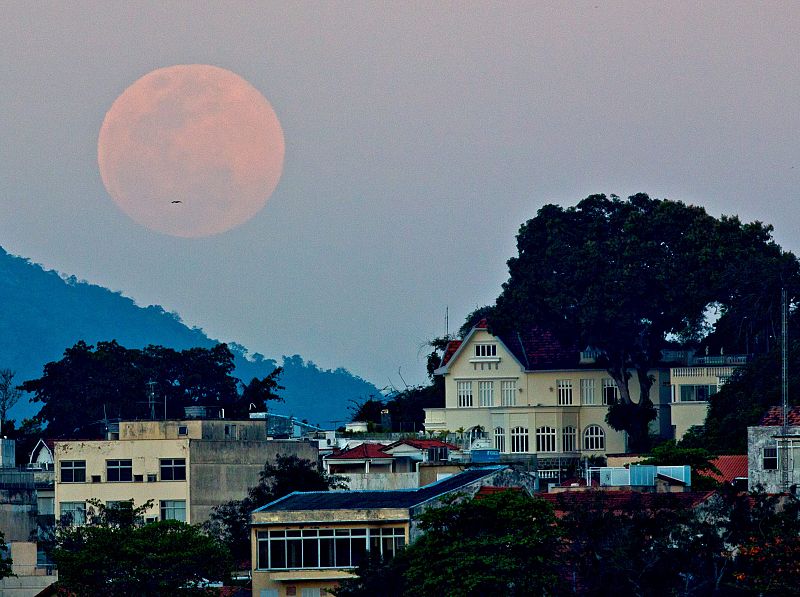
(190, 150)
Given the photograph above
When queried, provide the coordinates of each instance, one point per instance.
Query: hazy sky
(418, 138)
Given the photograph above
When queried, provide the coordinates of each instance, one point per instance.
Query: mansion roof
(774, 417)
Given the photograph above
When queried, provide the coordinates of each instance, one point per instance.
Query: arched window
(500, 439)
(568, 437)
(594, 438)
(546, 439)
(519, 439)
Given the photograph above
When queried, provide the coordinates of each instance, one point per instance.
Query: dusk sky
(418, 137)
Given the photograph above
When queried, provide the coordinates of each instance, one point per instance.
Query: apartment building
(185, 466)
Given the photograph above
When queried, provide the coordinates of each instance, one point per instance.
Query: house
(185, 466)
(306, 542)
(410, 452)
(531, 395)
(771, 450)
(692, 385)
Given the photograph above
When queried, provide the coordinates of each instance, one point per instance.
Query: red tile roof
(487, 490)
(730, 468)
(774, 417)
(424, 444)
(622, 501)
(482, 324)
(362, 451)
(451, 349)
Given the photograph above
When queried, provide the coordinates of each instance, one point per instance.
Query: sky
(418, 137)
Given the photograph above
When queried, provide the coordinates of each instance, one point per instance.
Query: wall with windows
(766, 451)
(114, 471)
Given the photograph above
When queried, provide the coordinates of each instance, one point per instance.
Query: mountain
(43, 312)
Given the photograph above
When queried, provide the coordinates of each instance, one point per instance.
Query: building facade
(185, 467)
(530, 395)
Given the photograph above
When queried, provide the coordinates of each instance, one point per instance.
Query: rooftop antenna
(151, 398)
(785, 390)
(447, 321)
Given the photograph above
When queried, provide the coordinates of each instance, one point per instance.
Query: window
(325, 548)
(594, 438)
(587, 391)
(769, 458)
(183, 430)
(96, 479)
(564, 392)
(173, 510)
(508, 390)
(312, 592)
(486, 392)
(699, 393)
(546, 439)
(568, 438)
(230, 432)
(519, 440)
(438, 454)
(610, 391)
(119, 470)
(73, 471)
(485, 350)
(152, 477)
(500, 439)
(464, 391)
(173, 469)
(72, 513)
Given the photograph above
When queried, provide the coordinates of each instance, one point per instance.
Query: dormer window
(485, 350)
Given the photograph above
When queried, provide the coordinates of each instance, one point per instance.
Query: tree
(116, 554)
(623, 276)
(670, 453)
(92, 384)
(230, 522)
(9, 395)
(5, 558)
(503, 544)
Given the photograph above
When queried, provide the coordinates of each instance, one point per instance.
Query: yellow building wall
(145, 455)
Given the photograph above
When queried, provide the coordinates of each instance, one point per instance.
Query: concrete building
(769, 447)
(306, 542)
(185, 467)
(693, 384)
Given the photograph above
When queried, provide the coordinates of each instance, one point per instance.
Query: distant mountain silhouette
(42, 313)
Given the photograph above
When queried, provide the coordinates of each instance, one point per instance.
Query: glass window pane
(277, 553)
(310, 553)
(326, 559)
(342, 553)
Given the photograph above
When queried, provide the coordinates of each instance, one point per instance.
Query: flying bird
(176, 201)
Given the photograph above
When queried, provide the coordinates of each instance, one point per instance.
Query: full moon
(190, 150)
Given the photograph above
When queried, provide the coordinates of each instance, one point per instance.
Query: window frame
(486, 393)
(564, 389)
(546, 439)
(764, 458)
(500, 439)
(520, 440)
(120, 470)
(588, 397)
(569, 439)
(610, 392)
(485, 350)
(167, 507)
(594, 438)
(171, 466)
(74, 521)
(464, 393)
(73, 467)
(508, 392)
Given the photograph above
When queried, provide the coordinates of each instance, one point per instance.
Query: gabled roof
(362, 451)
(358, 500)
(43, 444)
(774, 417)
(730, 467)
(423, 444)
(534, 349)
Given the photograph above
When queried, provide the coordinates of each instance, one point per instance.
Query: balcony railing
(701, 372)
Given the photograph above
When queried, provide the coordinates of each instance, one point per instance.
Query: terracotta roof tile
(774, 417)
(451, 349)
(730, 468)
(622, 501)
(424, 444)
(362, 451)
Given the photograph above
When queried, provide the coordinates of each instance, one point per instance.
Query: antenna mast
(447, 321)
(151, 398)
(785, 390)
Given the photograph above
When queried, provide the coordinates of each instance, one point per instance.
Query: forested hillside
(42, 313)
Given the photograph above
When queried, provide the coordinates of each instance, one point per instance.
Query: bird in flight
(176, 201)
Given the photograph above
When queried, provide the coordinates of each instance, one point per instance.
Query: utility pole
(151, 398)
(785, 392)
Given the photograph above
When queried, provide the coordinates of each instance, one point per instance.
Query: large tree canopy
(623, 276)
(90, 384)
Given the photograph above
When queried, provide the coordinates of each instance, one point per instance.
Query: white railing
(701, 372)
(548, 473)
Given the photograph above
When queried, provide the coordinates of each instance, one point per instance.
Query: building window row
(695, 393)
(485, 350)
(609, 393)
(325, 548)
(74, 513)
(121, 471)
(594, 438)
